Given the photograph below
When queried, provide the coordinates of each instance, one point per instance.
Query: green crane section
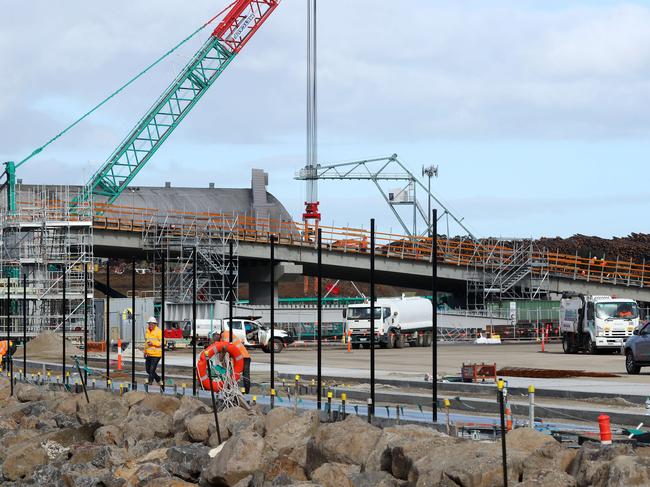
(159, 122)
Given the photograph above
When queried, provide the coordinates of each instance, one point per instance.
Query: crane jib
(237, 28)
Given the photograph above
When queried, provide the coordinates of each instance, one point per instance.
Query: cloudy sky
(537, 112)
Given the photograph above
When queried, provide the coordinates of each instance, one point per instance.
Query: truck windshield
(364, 313)
(616, 310)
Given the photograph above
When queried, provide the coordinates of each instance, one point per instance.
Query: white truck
(250, 331)
(596, 323)
(398, 321)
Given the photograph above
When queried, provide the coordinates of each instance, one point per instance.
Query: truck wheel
(566, 345)
(419, 342)
(427, 340)
(399, 341)
(630, 364)
(591, 347)
(278, 345)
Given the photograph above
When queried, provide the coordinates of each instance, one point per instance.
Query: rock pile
(57, 439)
(48, 346)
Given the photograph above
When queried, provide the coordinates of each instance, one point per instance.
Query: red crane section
(242, 21)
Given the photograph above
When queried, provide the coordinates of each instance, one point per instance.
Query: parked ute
(637, 349)
(251, 332)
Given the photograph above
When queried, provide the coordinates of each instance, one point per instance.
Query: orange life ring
(217, 347)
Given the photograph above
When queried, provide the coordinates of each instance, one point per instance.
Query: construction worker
(225, 337)
(6, 351)
(152, 350)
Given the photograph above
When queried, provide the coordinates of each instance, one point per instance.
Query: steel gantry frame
(387, 169)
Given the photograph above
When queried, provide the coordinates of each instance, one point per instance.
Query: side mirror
(635, 332)
(395, 313)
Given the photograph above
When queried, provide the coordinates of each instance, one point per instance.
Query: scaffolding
(43, 240)
(508, 270)
(181, 239)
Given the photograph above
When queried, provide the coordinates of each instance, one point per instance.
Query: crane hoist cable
(10, 167)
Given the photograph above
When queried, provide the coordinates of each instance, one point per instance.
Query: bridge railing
(456, 251)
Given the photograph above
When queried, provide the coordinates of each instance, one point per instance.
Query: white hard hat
(152, 320)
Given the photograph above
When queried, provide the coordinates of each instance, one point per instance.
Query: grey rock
(349, 441)
(28, 393)
(109, 412)
(187, 409)
(65, 421)
(109, 435)
(143, 423)
(187, 462)
(240, 457)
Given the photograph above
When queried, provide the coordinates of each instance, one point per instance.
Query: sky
(535, 112)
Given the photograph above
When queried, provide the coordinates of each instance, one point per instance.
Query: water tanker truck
(398, 321)
(596, 323)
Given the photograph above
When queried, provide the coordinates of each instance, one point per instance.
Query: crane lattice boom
(231, 35)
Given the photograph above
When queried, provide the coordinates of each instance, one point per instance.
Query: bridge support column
(259, 281)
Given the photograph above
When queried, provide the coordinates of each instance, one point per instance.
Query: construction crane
(230, 36)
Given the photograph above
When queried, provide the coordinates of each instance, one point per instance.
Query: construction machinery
(235, 30)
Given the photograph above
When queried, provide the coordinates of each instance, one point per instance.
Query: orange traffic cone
(119, 354)
(349, 341)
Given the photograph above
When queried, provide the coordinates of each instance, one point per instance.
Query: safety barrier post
(605, 430)
(447, 404)
(531, 406)
(329, 406)
(371, 401)
(107, 336)
(25, 322)
(254, 400)
(272, 398)
(109, 385)
(319, 319)
(297, 391)
(344, 398)
(500, 386)
(434, 315)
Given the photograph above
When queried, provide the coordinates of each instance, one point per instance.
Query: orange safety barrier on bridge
(457, 252)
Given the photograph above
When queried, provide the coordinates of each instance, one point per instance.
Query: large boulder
(287, 437)
(201, 426)
(164, 404)
(400, 447)
(233, 420)
(239, 457)
(548, 478)
(381, 479)
(335, 474)
(148, 474)
(527, 439)
(188, 461)
(109, 435)
(22, 460)
(349, 441)
(143, 423)
(187, 409)
(610, 465)
(28, 393)
(103, 413)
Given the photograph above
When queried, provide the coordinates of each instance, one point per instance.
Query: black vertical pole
(63, 376)
(133, 384)
(194, 391)
(108, 319)
(86, 320)
(319, 318)
(272, 312)
(434, 316)
(231, 289)
(25, 325)
(9, 360)
(504, 459)
(162, 311)
(372, 319)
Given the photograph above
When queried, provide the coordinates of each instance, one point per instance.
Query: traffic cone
(508, 414)
(119, 354)
(349, 341)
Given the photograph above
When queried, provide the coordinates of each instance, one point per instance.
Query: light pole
(429, 172)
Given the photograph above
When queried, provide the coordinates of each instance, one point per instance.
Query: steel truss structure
(183, 238)
(44, 240)
(384, 169)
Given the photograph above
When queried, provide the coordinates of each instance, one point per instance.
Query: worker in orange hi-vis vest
(7, 349)
(225, 337)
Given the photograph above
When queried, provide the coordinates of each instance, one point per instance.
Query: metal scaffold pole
(319, 318)
(64, 377)
(162, 312)
(272, 312)
(434, 314)
(9, 361)
(108, 319)
(133, 315)
(194, 388)
(86, 321)
(24, 324)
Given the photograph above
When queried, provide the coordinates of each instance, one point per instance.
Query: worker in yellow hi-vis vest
(152, 350)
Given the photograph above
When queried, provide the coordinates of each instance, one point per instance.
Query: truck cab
(596, 323)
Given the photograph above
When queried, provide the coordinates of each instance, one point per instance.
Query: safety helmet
(152, 320)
